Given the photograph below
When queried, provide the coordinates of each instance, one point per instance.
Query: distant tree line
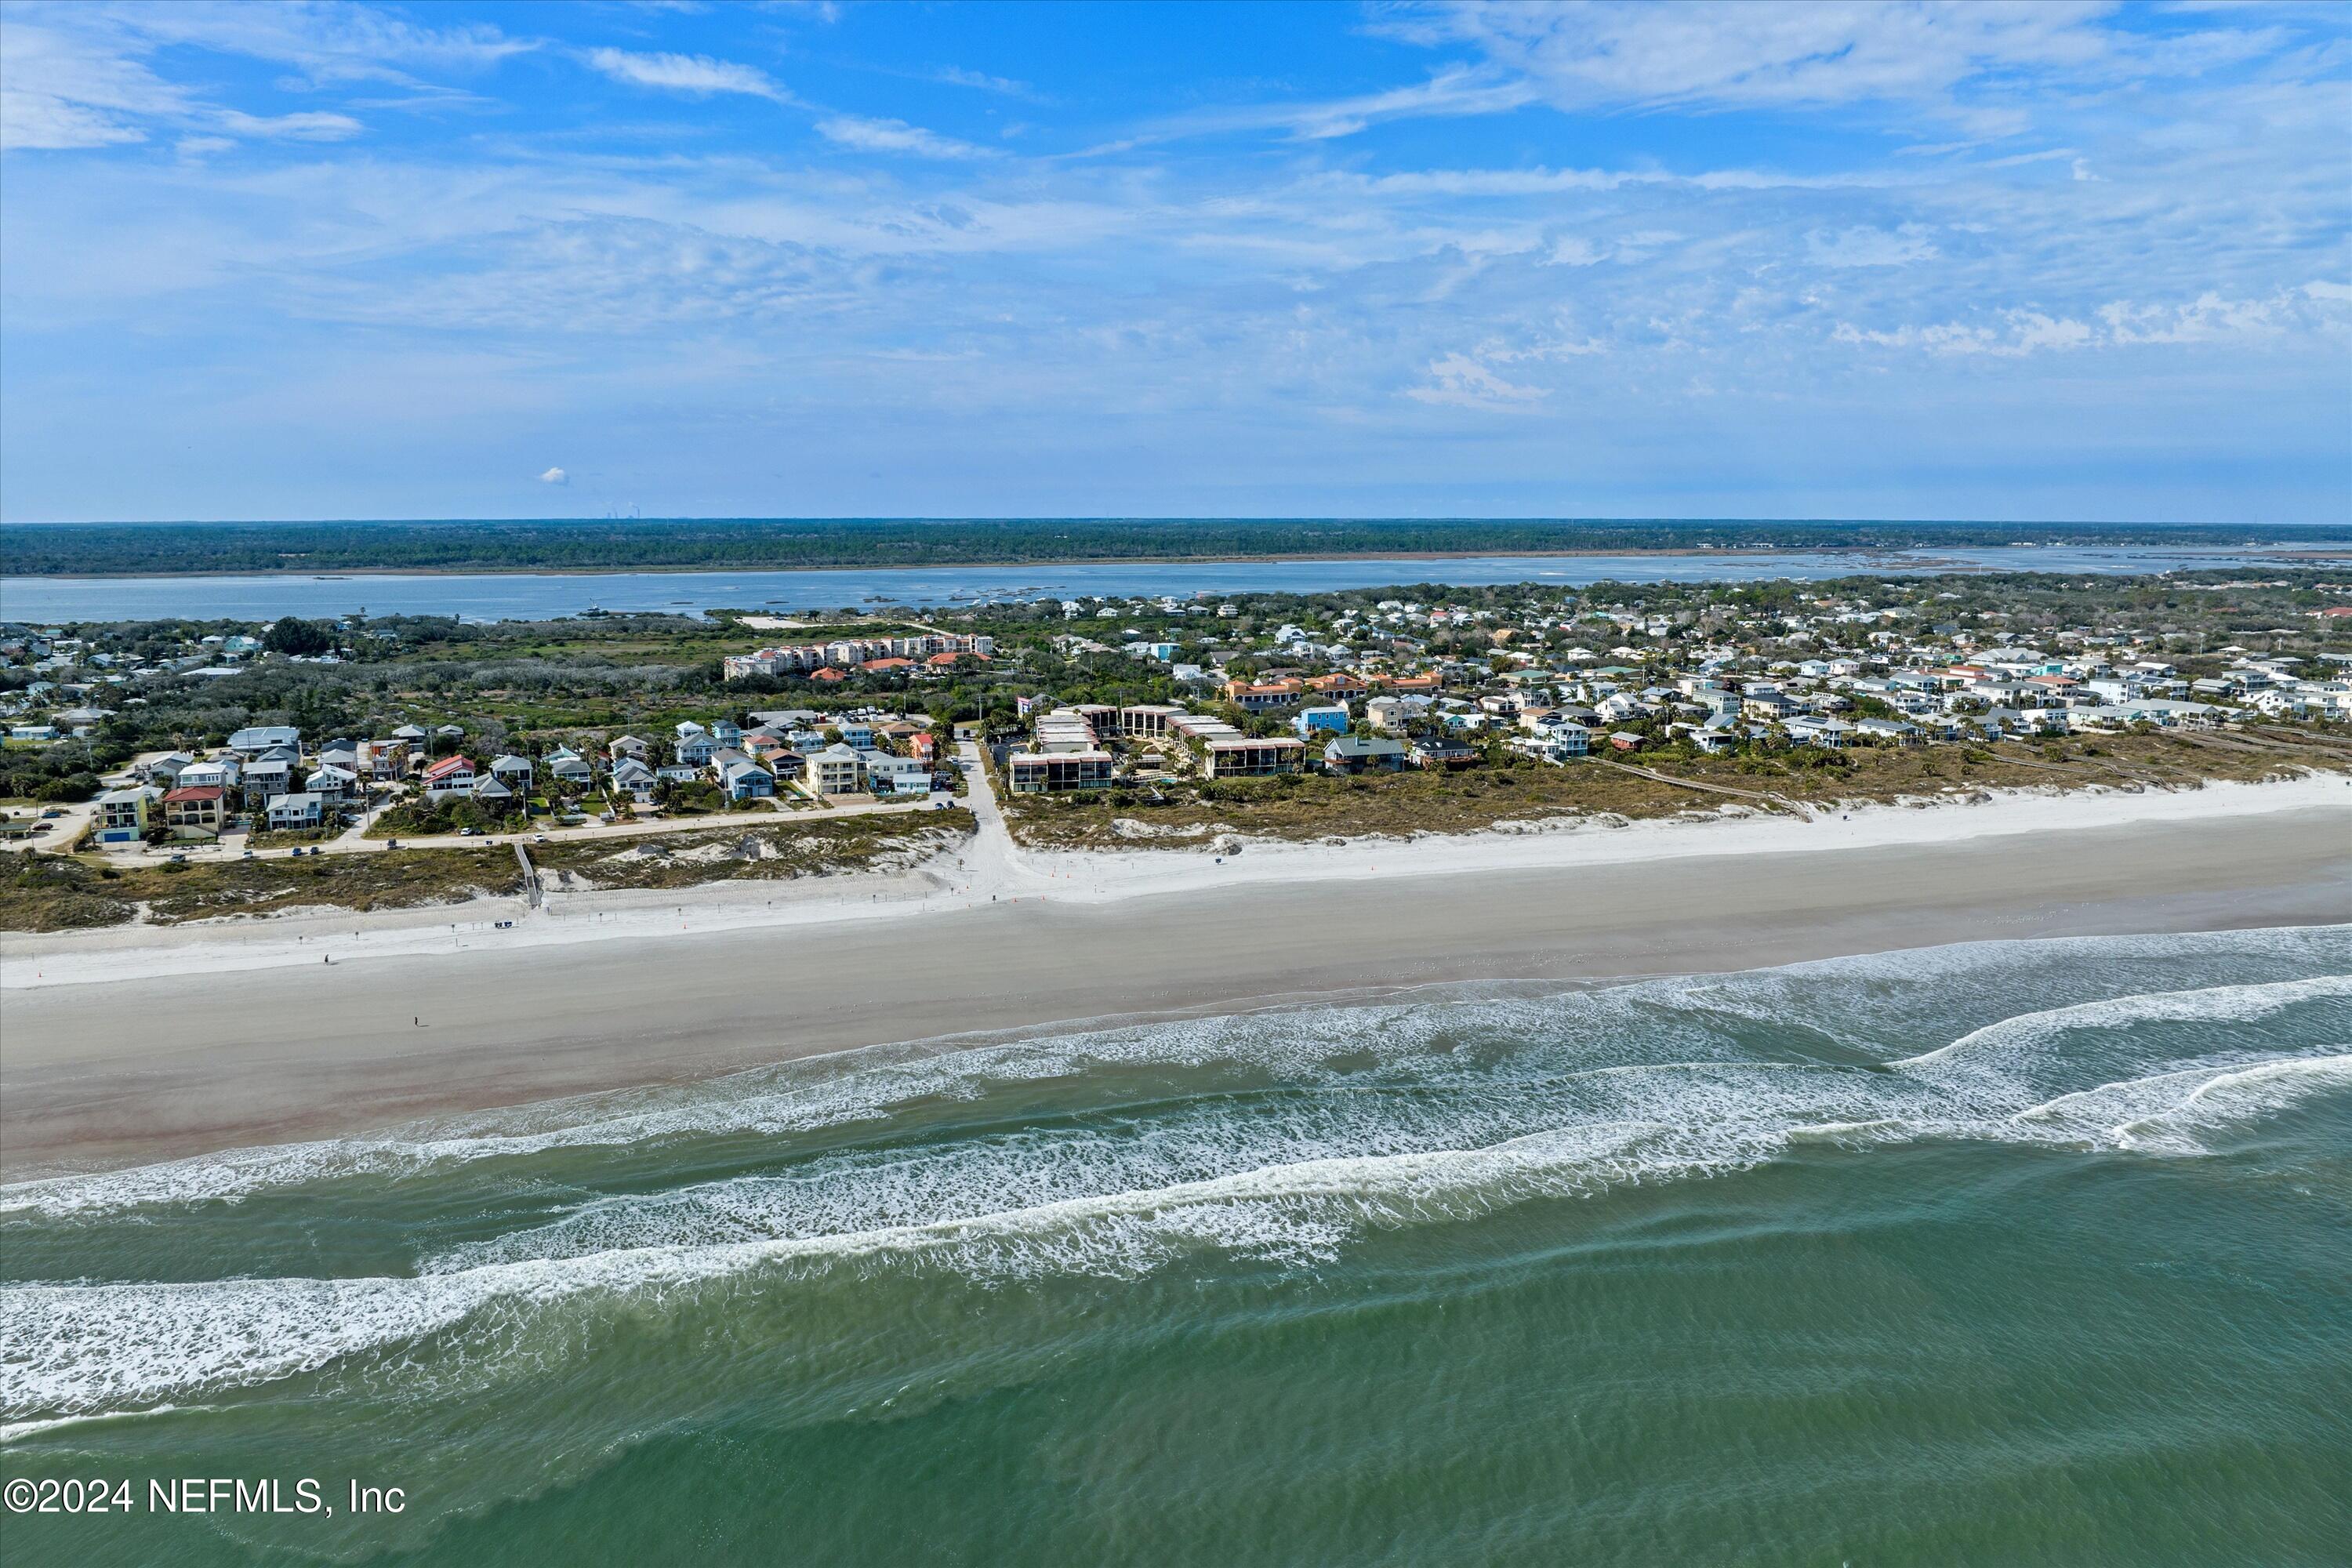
(724, 544)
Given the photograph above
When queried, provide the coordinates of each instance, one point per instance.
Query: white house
(837, 770)
(632, 778)
(301, 809)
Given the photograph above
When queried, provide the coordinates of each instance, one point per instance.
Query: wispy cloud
(697, 75)
(1870, 246)
(956, 76)
(1455, 92)
(58, 90)
(896, 136)
(1462, 382)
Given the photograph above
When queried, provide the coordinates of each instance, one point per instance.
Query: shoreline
(171, 1062)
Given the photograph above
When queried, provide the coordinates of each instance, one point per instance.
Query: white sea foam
(862, 1190)
(2209, 1005)
(79, 1347)
(2233, 1099)
(1016, 1208)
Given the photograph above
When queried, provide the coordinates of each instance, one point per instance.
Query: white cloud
(58, 90)
(326, 43)
(696, 74)
(317, 125)
(1462, 382)
(80, 76)
(2210, 318)
(555, 476)
(1714, 54)
(1452, 93)
(896, 136)
(2205, 320)
(1870, 246)
(955, 76)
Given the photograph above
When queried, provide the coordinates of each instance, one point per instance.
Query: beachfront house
(887, 774)
(299, 810)
(122, 814)
(1434, 752)
(571, 767)
(837, 770)
(1363, 754)
(1812, 732)
(513, 772)
(195, 811)
(632, 778)
(449, 776)
(695, 747)
(740, 777)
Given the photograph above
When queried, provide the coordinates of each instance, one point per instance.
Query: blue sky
(1979, 260)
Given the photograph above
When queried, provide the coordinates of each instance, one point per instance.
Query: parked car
(469, 833)
(53, 812)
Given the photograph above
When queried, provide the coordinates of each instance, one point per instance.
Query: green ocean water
(2002, 1253)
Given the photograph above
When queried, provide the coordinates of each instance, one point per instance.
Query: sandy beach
(137, 1045)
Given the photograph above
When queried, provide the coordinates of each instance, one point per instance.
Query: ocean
(2000, 1253)
(521, 596)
